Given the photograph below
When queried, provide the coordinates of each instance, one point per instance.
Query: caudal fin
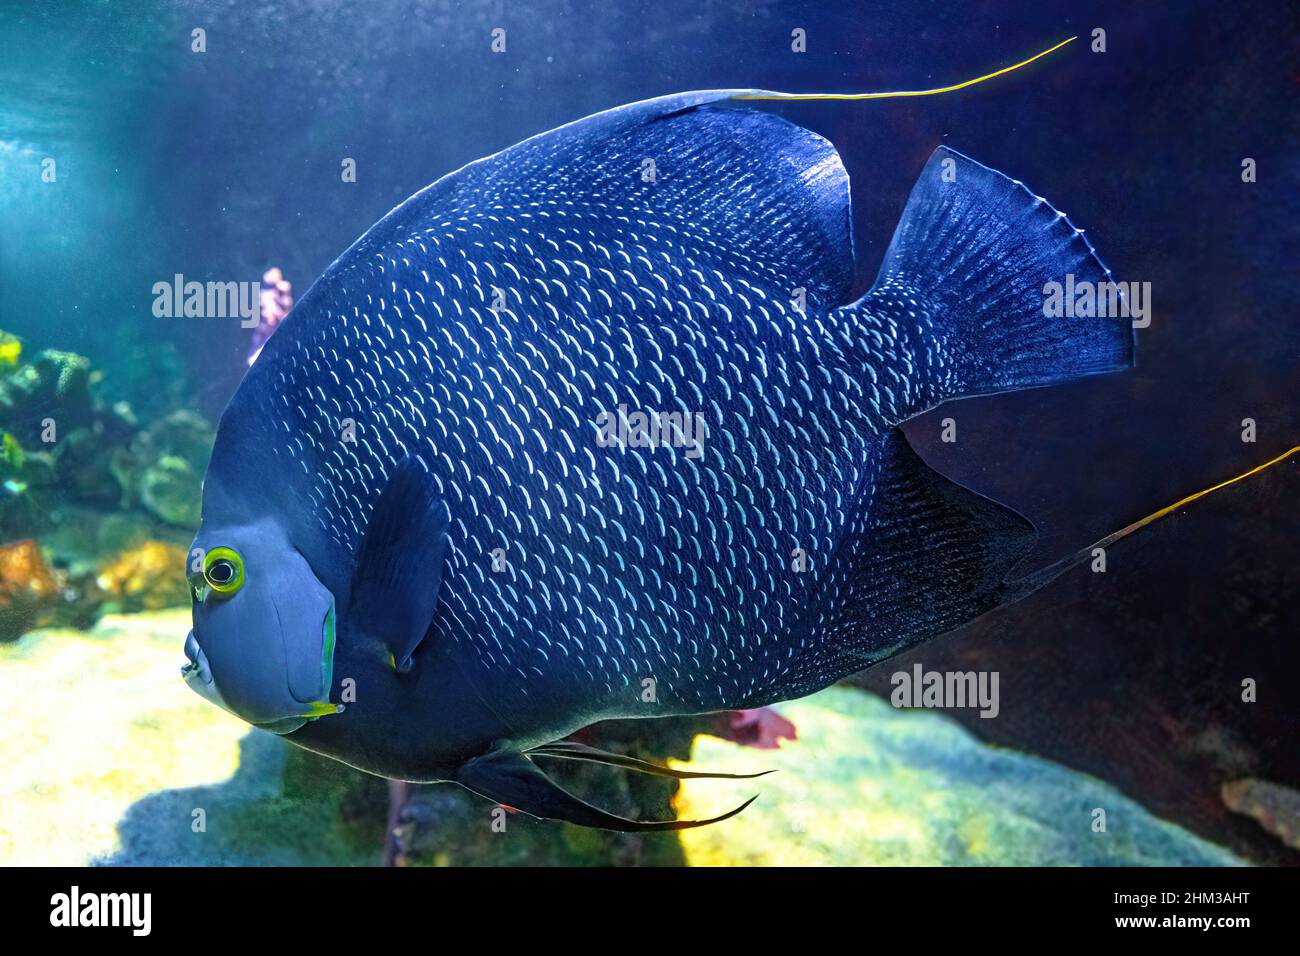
(970, 268)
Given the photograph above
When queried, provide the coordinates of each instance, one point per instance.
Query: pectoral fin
(399, 571)
(514, 780)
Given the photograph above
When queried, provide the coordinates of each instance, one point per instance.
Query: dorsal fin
(733, 192)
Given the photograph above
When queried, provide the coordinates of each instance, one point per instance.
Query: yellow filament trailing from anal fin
(1027, 585)
(1157, 515)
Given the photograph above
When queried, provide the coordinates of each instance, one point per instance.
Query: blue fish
(590, 429)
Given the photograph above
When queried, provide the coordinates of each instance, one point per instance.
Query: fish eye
(223, 570)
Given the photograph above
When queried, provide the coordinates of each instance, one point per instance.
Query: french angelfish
(417, 558)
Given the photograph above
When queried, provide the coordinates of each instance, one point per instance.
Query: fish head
(262, 646)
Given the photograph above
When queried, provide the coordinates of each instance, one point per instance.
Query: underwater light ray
(766, 95)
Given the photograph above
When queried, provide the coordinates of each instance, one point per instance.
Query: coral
(762, 728)
(28, 588)
(54, 385)
(92, 453)
(169, 488)
(83, 469)
(21, 469)
(148, 577)
(112, 503)
(184, 434)
(54, 441)
(23, 476)
(163, 467)
(1274, 807)
(276, 301)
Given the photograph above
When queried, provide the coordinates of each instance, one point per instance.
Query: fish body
(449, 519)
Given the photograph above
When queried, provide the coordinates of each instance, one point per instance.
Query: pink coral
(277, 300)
(762, 728)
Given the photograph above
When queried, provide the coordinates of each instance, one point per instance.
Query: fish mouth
(198, 675)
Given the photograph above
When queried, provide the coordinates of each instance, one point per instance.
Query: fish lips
(198, 675)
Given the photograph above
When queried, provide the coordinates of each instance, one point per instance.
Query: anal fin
(922, 556)
(571, 750)
(513, 779)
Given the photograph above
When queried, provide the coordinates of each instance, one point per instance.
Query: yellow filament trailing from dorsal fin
(1027, 585)
(765, 95)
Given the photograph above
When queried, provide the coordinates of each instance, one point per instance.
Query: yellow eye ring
(223, 570)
